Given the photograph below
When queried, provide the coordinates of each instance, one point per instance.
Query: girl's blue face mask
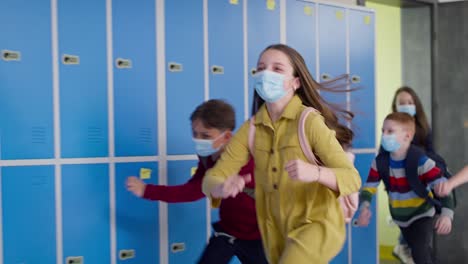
(204, 147)
(269, 85)
(410, 109)
(390, 143)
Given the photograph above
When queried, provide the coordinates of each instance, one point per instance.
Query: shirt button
(274, 169)
(272, 151)
(275, 186)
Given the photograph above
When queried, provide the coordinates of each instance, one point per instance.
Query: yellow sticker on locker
(339, 15)
(145, 173)
(367, 20)
(234, 2)
(271, 4)
(193, 170)
(308, 10)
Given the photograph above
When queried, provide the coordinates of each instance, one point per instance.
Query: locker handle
(123, 63)
(175, 67)
(326, 77)
(10, 55)
(355, 79)
(70, 59)
(253, 71)
(217, 69)
(74, 260)
(125, 254)
(177, 247)
(354, 223)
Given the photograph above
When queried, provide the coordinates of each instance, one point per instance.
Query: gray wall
(449, 102)
(451, 114)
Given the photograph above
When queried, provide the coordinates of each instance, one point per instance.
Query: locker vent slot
(145, 135)
(125, 254)
(10, 55)
(95, 134)
(38, 135)
(355, 79)
(217, 69)
(175, 67)
(74, 260)
(70, 59)
(253, 71)
(123, 63)
(177, 247)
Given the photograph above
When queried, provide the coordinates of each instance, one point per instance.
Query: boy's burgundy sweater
(237, 215)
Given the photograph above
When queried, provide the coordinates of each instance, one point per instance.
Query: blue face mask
(269, 85)
(410, 109)
(390, 143)
(204, 147)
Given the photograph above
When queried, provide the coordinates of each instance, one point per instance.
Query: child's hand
(231, 187)
(136, 186)
(302, 171)
(443, 225)
(364, 217)
(443, 189)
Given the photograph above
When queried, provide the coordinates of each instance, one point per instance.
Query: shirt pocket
(289, 148)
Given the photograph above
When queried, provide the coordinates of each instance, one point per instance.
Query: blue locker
(364, 239)
(184, 72)
(332, 49)
(362, 70)
(186, 221)
(263, 29)
(136, 219)
(226, 57)
(134, 58)
(83, 78)
(86, 212)
(28, 197)
(301, 30)
(26, 118)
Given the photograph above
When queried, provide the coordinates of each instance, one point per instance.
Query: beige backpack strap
(252, 135)
(303, 140)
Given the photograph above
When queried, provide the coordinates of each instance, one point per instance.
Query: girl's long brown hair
(308, 92)
(422, 126)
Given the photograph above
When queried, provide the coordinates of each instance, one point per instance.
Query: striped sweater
(405, 205)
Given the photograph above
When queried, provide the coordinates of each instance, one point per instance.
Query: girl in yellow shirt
(299, 216)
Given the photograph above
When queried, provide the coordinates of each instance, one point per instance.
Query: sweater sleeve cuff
(447, 212)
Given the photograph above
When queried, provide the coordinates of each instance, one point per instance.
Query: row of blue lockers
(333, 40)
(29, 218)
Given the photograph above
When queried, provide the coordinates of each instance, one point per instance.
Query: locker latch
(326, 77)
(217, 69)
(175, 67)
(70, 59)
(125, 254)
(74, 260)
(10, 55)
(355, 79)
(123, 63)
(253, 71)
(177, 247)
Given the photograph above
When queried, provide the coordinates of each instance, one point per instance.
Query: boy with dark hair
(237, 231)
(404, 168)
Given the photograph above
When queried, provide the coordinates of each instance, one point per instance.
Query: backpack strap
(383, 167)
(251, 142)
(303, 140)
(411, 170)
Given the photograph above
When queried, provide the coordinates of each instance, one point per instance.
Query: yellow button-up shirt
(306, 215)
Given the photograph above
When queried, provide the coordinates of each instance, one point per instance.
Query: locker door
(83, 78)
(136, 219)
(362, 69)
(85, 208)
(364, 239)
(184, 72)
(186, 221)
(226, 57)
(28, 201)
(301, 30)
(263, 29)
(134, 60)
(26, 118)
(332, 47)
